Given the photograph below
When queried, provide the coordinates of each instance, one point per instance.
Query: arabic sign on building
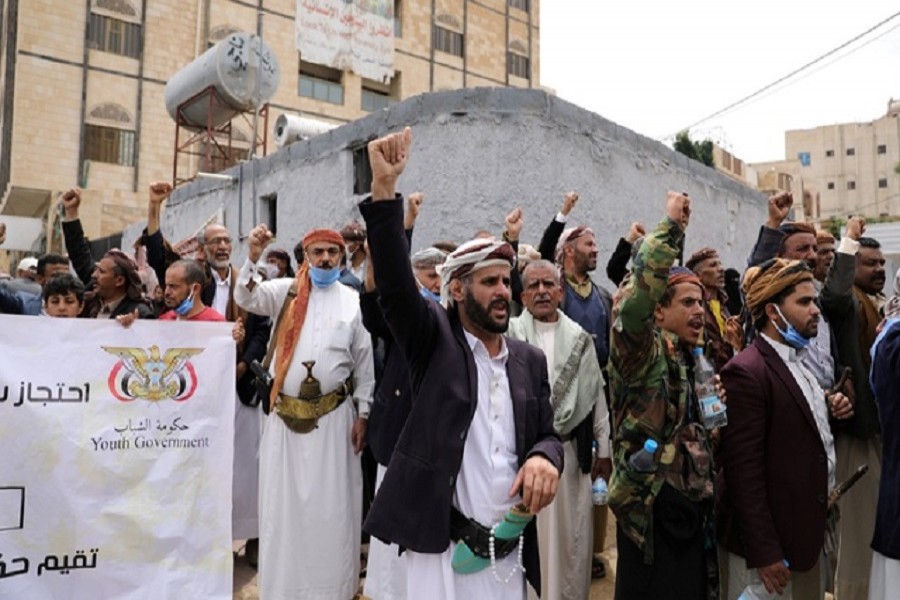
(118, 459)
(355, 35)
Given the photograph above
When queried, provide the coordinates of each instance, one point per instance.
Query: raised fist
(414, 203)
(159, 191)
(779, 206)
(856, 227)
(71, 200)
(514, 223)
(637, 231)
(387, 157)
(678, 208)
(569, 202)
(259, 238)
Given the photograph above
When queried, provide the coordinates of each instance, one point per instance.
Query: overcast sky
(658, 66)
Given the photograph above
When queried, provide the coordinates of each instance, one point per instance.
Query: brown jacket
(774, 462)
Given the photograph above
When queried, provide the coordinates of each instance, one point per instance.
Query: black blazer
(412, 507)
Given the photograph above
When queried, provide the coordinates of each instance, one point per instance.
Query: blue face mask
(186, 305)
(792, 337)
(322, 278)
(429, 294)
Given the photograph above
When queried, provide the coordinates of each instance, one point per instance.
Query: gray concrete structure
(477, 154)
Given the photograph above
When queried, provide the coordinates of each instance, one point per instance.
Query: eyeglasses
(219, 240)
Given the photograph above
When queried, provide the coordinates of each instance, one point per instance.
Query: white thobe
(386, 568)
(310, 500)
(565, 532)
(489, 467)
(245, 482)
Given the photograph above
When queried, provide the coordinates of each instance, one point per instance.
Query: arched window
(447, 35)
(115, 26)
(109, 135)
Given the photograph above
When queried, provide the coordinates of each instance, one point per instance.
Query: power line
(789, 75)
(828, 64)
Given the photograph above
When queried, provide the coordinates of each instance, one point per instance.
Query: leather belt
(301, 415)
(478, 537)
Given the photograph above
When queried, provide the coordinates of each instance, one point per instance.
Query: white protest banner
(117, 452)
(348, 34)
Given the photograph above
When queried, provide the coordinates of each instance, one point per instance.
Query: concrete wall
(476, 155)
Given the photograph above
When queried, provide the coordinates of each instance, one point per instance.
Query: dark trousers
(679, 569)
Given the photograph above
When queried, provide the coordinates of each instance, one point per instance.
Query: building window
(372, 100)
(829, 153)
(804, 158)
(398, 18)
(109, 145)
(112, 35)
(522, 4)
(882, 183)
(362, 171)
(830, 185)
(851, 185)
(851, 151)
(448, 41)
(882, 149)
(321, 83)
(518, 65)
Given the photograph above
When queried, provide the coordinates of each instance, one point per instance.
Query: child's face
(58, 305)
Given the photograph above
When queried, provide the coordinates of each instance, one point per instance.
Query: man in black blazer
(480, 432)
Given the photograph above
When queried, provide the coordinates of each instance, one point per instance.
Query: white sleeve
(848, 246)
(266, 297)
(601, 426)
(363, 366)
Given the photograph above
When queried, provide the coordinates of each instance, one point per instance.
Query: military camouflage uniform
(653, 397)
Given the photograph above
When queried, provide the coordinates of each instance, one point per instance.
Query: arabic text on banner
(341, 34)
(118, 449)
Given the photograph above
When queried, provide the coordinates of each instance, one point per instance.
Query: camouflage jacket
(652, 397)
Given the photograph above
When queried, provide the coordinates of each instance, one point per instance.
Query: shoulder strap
(273, 341)
(569, 370)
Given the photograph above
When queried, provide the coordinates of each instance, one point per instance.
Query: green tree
(699, 151)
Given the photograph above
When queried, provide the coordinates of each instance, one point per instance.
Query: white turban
(470, 257)
(570, 235)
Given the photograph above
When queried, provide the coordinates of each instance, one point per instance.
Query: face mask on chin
(792, 337)
(322, 278)
(426, 293)
(186, 305)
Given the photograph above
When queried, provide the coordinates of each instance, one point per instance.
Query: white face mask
(271, 271)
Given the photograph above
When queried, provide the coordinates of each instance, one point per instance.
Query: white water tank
(291, 128)
(231, 67)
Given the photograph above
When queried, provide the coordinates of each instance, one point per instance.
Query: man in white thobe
(576, 383)
(310, 501)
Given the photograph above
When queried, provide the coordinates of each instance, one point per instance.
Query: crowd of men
(456, 403)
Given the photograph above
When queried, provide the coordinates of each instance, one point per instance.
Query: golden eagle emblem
(148, 375)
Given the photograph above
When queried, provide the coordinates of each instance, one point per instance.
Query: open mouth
(500, 309)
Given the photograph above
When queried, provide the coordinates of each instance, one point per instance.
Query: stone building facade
(82, 85)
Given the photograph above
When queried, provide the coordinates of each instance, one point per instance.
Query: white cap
(29, 263)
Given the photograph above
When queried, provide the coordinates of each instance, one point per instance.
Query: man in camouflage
(665, 530)
(706, 263)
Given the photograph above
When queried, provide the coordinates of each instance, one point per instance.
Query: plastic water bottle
(642, 460)
(599, 491)
(757, 591)
(711, 406)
